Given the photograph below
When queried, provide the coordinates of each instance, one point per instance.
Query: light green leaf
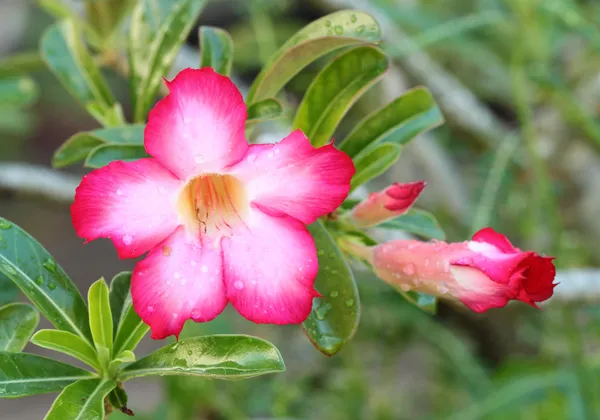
(131, 331)
(83, 400)
(212, 356)
(23, 374)
(417, 222)
(157, 31)
(60, 10)
(17, 322)
(398, 122)
(17, 91)
(216, 49)
(66, 55)
(106, 15)
(120, 298)
(101, 322)
(374, 163)
(108, 117)
(335, 89)
(335, 316)
(125, 357)
(266, 109)
(104, 154)
(331, 32)
(35, 272)
(68, 343)
(79, 146)
(424, 301)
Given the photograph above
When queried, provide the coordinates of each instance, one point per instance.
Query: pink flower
(224, 221)
(386, 204)
(483, 273)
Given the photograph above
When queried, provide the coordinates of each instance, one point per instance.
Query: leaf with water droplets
(44, 282)
(335, 316)
(211, 356)
(421, 300)
(82, 400)
(104, 154)
(264, 110)
(216, 49)
(17, 322)
(311, 42)
(417, 222)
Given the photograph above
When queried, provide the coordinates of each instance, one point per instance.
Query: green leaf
(35, 272)
(336, 88)
(118, 397)
(131, 331)
(213, 356)
(18, 91)
(83, 400)
(104, 154)
(61, 11)
(398, 122)
(66, 55)
(120, 298)
(79, 146)
(266, 109)
(23, 374)
(157, 31)
(21, 63)
(331, 32)
(8, 290)
(374, 163)
(17, 322)
(417, 222)
(126, 357)
(101, 322)
(421, 300)
(334, 317)
(68, 343)
(106, 15)
(216, 49)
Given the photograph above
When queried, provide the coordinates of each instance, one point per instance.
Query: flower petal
(294, 178)
(199, 126)
(477, 291)
(180, 279)
(132, 203)
(270, 267)
(490, 236)
(539, 277)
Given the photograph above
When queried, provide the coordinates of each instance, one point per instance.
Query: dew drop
(350, 303)
(51, 286)
(334, 272)
(204, 269)
(320, 252)
(328, 23)
(360, 29)
(338, 29)
(50, 265)
(195, 314)
(39, 280)
(190, 352)
(119, 192)
(409, 269)
(334, 294)
(5, 225)
(353, 18)
(322, 311)
(175, 314)
(127, 239)
(239, 285)
(150, 309)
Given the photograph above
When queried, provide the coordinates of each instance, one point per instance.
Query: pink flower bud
(483, 273)
(386, 204)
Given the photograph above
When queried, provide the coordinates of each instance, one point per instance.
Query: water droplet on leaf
(338, 29)
(5, 225)
(350, 303)
(334, 294)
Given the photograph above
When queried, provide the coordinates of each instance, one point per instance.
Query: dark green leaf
(118, 397)
(266, 109)
(158, 29)
(66, 55)
(398, 122)
(120, 298)
(83, 400)
(374, 163)
(216, 49)
(8, 290)
(334, 317)
(335, 89)
(417, 222)
(17, 322)
(79, 146)
(17, 92)
(35, 272)
(331, 32)
(100, 316)
(213, 356)
(104, 154)
(68, 343)
(23, 374)
(131, 331)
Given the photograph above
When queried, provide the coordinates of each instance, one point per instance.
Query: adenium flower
(386, 204)
(485, 272)
(223, 221)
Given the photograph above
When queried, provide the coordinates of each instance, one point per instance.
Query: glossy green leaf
(80, 145)
(216, 49)
(213, 356)
(334, 317)
(83, 400)
(23, 374)
(336, 88)
(374, 163)
(331, 32)
(8, 290)
(120, 298)
(126, 357)
(424, 301)
(417, 222)
(266, 109)
(68, 343)
(104, 154)
(17, 322)
(118, 397)
(101, 322)
(131, 331)
(66, 55)
(106, 15)
(157, 31)
(17, 91)
(398, 122)
(35, 272)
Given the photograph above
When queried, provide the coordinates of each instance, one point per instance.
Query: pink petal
(490, 236)
(199, 126)
(132, 203)
(180, 279)
(270, 269)
(477, 291)
(294, 178)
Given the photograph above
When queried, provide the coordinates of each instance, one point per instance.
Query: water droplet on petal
(204, 269)
(409, 269)
(175, 314)
(127, 239)
(239, 285)
(119, 192)
(195, 314)
(150, 309)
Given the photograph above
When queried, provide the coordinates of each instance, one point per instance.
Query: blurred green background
(519, 84)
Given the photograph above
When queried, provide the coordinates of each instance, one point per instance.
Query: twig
(38, 181)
